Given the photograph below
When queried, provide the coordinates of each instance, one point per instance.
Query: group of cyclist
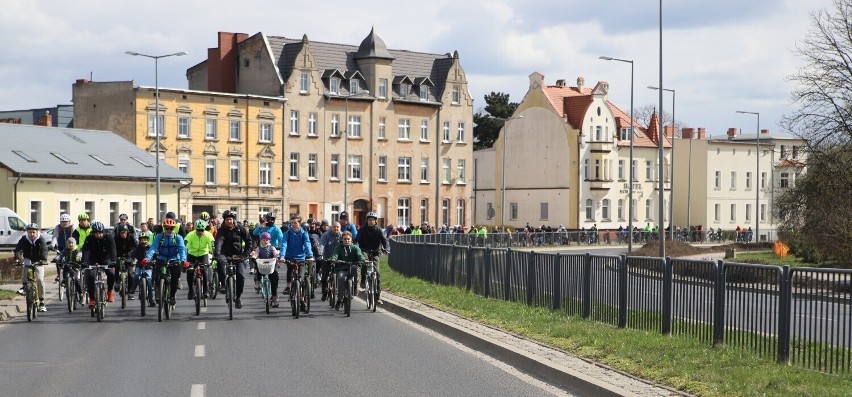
(144, 252)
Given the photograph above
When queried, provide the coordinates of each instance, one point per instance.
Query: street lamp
(662, 187)
(156, 59)
(503, 176)
(756, 179)
(346, 148)
(671, 172)
(630, 189)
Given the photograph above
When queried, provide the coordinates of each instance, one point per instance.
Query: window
(424, 130)
(748, 213)
(210, 171)
(586, 169)
(447, 171)
(513, 211)
(183, 164)
(718, 180)
(155, 122)
(235, 171)
(456, 94)
(717, 212)
(795, 152)
(383, 88)
(461, 168)
(424, 210)
(625, 133)
(335, 125)
(265, 132)
(312, 124)
(335, 212)
(783, 151)
(598, 131)
(733, 212)
(354, 168)
(543, 211)
(649, 171)
(404, 89)
(312, 166)
(89, 209)
(590, 210)
(294, 165)
(35, 211)
(460, 137)
(304, 82)
(65, 208)
(785, 179)
(113, 213)
(648, 213)
(424, 170)
(605, 209)
(294, 122)
(404, 169)
(335, 167)
(210, 129)
(460, 211)
(183, 127)
(402, 211)
(382, 133)
(265, 176)
(354, 126)
(334, 85)
(733, 180)
(633, 170)
(404, 129)
(748, 181)
(62, 158)
(353, 86)
(424, 92)
(620, 209)
(635, 212)
(140, 161)
(234, 134)
(597, 169)
(621, 170)
(27, 157)
(763, 180)
(100, 159)
(445, 211)
(763, 211)
(137, 213)
(446, 132)
(383, 168)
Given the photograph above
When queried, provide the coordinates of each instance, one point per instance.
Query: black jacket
(370, 238)
(35, 251)
(99, 250)
(229, 242)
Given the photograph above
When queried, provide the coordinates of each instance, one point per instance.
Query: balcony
(600, 184)
(601, 146)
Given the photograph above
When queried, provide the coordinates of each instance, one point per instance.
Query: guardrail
(801, 316)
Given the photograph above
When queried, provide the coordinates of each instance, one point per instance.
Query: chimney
(669, 131)
(45, 120)
(580, 82)
(764, 132)
(82, 81)
(732, 132)
(688, 133)
(222, 62)
(702, 133)
(560, 83)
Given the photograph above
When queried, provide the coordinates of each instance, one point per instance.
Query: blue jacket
(296, 245)
(167, 248)
(274, 232)
(351, 228)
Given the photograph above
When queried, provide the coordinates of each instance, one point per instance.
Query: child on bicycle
(139, 254)
(71, 256)
(345, 252)
(268, 251)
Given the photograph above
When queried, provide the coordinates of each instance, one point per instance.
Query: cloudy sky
(720, 56)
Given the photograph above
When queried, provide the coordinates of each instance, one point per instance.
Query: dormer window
(334, 85)
(404, 89)
(353, 86)
(424, 92)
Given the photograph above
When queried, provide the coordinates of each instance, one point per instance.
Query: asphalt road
(70, 354)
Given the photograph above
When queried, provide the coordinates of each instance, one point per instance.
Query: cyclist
(125, 243)
(99, 248)
(122, 221)
(61, 233)
(199, 246)
(371, 240)
(84, 229)
(72, 255)
(346, 226)
(211, 223)
(168, 246)
(140, 253)
(328, 242)
(232, 239)
(266, 225)
(32, 249)
(266, 250)
(296, 246)
(348, 252)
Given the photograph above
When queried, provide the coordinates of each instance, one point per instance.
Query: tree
(820, 205)
(487, 124)
(642, 115)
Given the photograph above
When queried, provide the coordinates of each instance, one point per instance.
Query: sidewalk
(18, 305)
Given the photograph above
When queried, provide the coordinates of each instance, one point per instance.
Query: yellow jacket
(199, 245)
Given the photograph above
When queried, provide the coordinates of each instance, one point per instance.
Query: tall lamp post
(157, 126)
(756, 179)
(671, 168)
(630, 189)
(661, 186)
(346, 148)
(503, 176)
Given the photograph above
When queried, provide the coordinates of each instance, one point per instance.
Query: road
(69, 354)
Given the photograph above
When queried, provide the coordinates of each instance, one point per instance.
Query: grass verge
(679, 362)
(769, 258)
(5, 295)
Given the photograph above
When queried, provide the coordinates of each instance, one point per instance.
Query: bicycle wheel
(143, 294)
(332, 289)
(122, 289)
(213, 287)
(167, 293)
(60, 286)
(99, 302)
(374, 290)
(347, 300)
(70, 296)
(198, 293)
(265, 291)
(306, 294)
(30, 302)
(229, 294)
(294, 297)
(161, 295)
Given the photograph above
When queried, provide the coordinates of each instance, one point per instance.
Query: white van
(12, 228)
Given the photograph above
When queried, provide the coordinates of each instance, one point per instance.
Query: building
(46, 172)
(358, 127)
(58, 116)
(566, 158)
(716, 180)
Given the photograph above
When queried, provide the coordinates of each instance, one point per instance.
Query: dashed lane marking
(197, 390)
(199, 350)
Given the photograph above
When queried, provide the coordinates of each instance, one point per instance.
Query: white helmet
(65, 218)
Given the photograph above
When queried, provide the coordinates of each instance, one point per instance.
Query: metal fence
(801, 316)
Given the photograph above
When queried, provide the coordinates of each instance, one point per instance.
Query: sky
(719, 56)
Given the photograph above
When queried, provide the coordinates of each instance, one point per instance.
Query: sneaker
(275, 301)
(363, 285)
(238, 304)
(337, 305)
(172, 301)
(222, 290)
(190, 296)
(92, 303)
(206, 296)
(324, 296)
(110, 297)
(151, 303)
(286, 291)
(312, 295)
(251, 271)
(42, 308)
(131, 297)
(56, 280)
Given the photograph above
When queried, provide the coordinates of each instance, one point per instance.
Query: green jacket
(199, 245)
(347, 253)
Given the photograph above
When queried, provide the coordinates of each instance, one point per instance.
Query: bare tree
(643, 113)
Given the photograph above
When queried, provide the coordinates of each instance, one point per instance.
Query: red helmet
(169, 222)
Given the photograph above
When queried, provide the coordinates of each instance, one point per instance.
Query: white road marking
(199, 350)
(197, 390)
(202, 325)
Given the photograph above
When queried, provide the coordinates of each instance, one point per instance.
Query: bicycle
(58, 260)
(199, 276)
(372, 283)
(213, 282)
(299, 301)
(70, 281)
(164, 290)
(31, 290)
(231, 283)
(332, 285)
(121, 280)
(99, 293)
(350, 285)
(264, 268)
(144, 284)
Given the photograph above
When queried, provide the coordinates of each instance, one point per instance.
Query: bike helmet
(305, 225)
(200, 224)
(121, 228)
(265, 236)
(204, 216)
(269, 216)
(122, 216)
(65, 218)
(344, 215)
(146, 235)
(251, 225)
(170, 215)
(229, 214)
(32, 226)
(372, 214)
(169, 222)
(324, 222)
(83, 216)
(97, 227)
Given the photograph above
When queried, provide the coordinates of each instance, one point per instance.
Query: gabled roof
(68, 152)
(790, 163)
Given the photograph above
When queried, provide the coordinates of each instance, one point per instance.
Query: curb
(540, 368)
